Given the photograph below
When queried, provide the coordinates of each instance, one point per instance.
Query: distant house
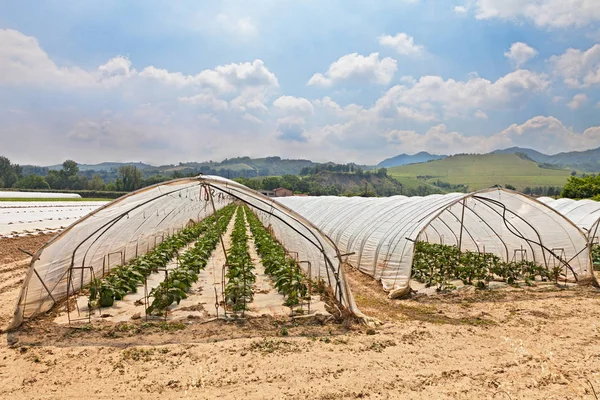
(283, 192)
(279, 192)
(268, 193)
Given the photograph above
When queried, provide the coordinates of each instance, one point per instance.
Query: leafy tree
(510, 187)
(271, 182)
(130, 178)
(9, 173)
(96, 183)
(32, 182)
(70, 168)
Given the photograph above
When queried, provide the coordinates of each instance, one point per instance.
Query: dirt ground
(530, 343)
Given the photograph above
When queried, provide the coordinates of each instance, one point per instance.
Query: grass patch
(483, 171)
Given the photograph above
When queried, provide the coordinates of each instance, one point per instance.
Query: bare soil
(514, 343)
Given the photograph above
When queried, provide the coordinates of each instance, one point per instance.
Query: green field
(482, 171)
(51, 199)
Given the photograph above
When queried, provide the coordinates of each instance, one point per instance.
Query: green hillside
(482, 171)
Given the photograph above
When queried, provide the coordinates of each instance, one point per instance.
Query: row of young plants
(285, 271)
(596, 256)
(127, 278)
(180, 279)
(240, 278)
(437, 265)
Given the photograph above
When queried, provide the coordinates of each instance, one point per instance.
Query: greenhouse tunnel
(135, 223)
(378, 234)
(583, 213)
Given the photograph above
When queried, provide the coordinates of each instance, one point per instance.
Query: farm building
(379, 234)
(136, 223)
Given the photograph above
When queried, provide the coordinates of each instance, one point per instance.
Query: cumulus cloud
(578, 100)
(223, 78)
(355, 67)
(543, 13)
(520, 53)
(292, 129)
(23, 62)
(438, 139)
(294, 105)
(207, 100)
(251, 118)
(549, 134)
(459, 97)
(460, 10)
(402, 43)
(243, 26)
(579, 69)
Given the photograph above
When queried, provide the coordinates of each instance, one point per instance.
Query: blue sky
(352, 80)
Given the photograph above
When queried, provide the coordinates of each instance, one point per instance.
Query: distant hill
(484, 170)
(355, 185)
(105, 166)
(405, 159)
(588, 160)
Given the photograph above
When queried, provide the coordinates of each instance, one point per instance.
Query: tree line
(69, 177)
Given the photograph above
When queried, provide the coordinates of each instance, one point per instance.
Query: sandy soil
(532, 343)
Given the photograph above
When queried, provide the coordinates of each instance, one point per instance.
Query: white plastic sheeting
(380, 232)
(583, 213)
(135, 223)
(37, 195)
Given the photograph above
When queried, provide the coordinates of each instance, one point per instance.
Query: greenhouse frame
(584, 213)
(134, 224)
(378, 235)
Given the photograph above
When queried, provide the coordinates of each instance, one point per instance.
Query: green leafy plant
(127, 278)
(180, 280)
(238, 291)
(436, 264)
(286, 273)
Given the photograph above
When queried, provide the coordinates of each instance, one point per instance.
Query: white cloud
(459, 97)
(543, 13)
(251, 118)
(439, 140)
(578, 68)
(23, 62)
(209, 118)
(240, 26)
(294, 105)
(223, 78)
(480, 114)
(520, 53)
(355, 67)
(292, 128)
(207, 100)
(460, 10)
(548, 134)
(335, 109)
(578, 100)
(402, 43)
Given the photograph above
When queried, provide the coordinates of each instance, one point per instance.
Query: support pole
(462, 222)
(212, 201)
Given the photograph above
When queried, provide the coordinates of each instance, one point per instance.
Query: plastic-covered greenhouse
(135, 223)
(583, 213)
(378, 235)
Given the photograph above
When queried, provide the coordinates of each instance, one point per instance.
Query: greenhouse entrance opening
(382, 234)
(199, 247)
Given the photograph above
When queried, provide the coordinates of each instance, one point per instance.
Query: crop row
(238, 291)
(286, 273)
(596, 256)
(126, 279)
(437, 264)
(180, 279)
